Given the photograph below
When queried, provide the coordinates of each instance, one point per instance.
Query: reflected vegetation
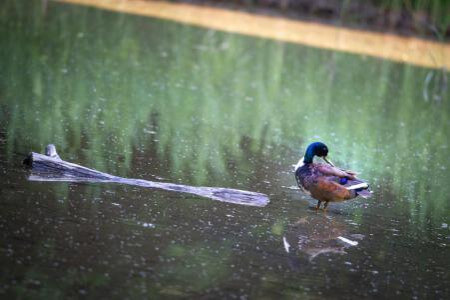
(156, 100)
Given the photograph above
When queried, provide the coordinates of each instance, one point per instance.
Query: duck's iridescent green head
(317, 148)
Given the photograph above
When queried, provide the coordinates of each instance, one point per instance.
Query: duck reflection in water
(319, 234)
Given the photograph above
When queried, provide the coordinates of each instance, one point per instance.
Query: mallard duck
(325, 182)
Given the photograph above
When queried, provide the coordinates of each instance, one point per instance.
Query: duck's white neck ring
(299, 164)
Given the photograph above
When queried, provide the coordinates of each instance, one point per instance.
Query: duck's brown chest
(306, 177)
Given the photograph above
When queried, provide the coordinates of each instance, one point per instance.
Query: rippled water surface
(149, 99)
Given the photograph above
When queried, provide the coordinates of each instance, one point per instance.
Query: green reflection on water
(102, 85)
(219, 109)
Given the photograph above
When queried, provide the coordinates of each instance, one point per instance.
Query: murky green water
(152, 99)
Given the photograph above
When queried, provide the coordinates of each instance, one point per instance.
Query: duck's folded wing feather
(361, 187)
(333, 171)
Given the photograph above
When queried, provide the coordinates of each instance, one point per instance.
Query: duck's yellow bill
(328, 161)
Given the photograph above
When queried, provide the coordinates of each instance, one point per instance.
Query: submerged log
(50, 167)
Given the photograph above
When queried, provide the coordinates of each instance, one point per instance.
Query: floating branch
(50, 167)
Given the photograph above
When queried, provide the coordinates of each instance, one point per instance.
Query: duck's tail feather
(365, 193)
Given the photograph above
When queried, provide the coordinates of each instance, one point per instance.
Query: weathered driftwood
(50, 167)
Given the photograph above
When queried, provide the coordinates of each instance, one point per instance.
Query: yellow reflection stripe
(388, 46)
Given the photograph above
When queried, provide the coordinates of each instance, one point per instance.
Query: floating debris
(51, 167)
(345, 240)
(286, 244)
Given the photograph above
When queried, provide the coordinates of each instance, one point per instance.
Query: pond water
(150, 99)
